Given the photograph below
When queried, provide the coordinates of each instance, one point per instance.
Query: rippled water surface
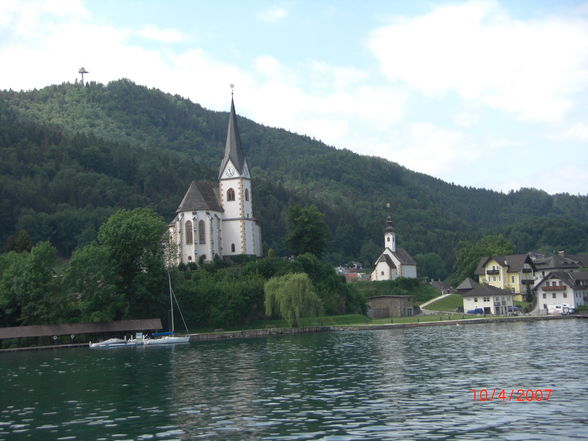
(369, 385)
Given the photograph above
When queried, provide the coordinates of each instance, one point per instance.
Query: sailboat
(167, 338)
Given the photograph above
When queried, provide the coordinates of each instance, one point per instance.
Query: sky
(489, 94)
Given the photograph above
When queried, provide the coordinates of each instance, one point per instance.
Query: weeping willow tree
(291, 296)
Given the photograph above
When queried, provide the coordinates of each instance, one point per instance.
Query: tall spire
(233, 150)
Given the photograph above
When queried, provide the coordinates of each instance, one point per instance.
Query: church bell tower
(241, 234)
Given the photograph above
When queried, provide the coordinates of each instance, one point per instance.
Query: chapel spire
(233, 150)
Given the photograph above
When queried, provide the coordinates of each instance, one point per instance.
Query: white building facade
(488, 300)
(562, 288)
(216, 219)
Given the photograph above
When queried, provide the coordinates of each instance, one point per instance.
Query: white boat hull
(168, 340)
(114, 343)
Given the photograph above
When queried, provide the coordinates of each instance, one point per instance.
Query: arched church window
(388, 238)
(189, 233)
(230, 194)
(246, 194)
(232, 248)
(201, 232)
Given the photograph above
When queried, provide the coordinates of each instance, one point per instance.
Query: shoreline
(260, 333)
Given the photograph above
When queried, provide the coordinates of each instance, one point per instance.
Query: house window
(565, 294)
(475, 299)
(388, 238)
(230, 194)
(544, 306)
(544, 295)
(232, 248)
(189, 233)
(553, 295)
(382, 272)
(201, 232)
(246, 194)
(512, 279)
(486, 299)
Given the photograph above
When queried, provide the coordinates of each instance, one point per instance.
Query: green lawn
(449, 303)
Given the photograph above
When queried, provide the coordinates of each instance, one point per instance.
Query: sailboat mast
(171, 303)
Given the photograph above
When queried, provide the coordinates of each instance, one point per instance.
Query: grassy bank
(449, 303)
(344, 320)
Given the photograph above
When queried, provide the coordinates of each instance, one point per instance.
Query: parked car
(476, 311)
(514, 310)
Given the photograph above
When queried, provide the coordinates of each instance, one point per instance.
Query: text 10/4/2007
(521, 395)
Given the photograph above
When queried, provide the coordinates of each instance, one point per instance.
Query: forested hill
(72, 154)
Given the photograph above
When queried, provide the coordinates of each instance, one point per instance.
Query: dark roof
(385, 258)
(233, 150)
(485, 290)
(557, 262)
(467, 285)
(80, 328)
(582, 259)
(570, 278)
(200, 196)
(514, 262)
(402, 255)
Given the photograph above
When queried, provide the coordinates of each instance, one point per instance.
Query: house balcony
(554, 288)
(492, 272)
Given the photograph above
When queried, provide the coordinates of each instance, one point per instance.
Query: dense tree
(90, 277)
(469, 254)
(291, 296)
(133, 243)
(19, 242)
(30, 290)
(307, 230)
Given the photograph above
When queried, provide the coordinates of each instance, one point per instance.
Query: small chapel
(393, 262)
(216, 218)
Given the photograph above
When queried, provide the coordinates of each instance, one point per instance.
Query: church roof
(403, 256)
(385, 258)
(200, 196)
(400, 254)
(233, 150)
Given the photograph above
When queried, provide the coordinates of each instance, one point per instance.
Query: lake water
(368, 385)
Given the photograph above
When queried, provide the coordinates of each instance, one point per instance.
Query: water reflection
(370, 385)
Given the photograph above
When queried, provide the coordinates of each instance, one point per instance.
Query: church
(393, 262)
(216, 219)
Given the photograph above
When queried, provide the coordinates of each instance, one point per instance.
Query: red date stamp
(521, 395)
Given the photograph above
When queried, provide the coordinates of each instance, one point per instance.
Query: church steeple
(389, 236)
(233, 150)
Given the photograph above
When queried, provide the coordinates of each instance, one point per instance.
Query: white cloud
(467, 119)
(577, 132)
(436, 151)
(152, 32)
(272, 15)
(529, 68)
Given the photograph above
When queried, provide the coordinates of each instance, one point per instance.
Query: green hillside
(72, 154)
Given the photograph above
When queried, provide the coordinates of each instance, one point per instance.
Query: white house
(393, 262)
(490, 299)
(216, 219)
(562, 288)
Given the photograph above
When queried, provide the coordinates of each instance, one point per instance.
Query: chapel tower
(389, 236)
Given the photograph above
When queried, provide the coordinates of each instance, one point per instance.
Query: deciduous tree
(291, 296)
